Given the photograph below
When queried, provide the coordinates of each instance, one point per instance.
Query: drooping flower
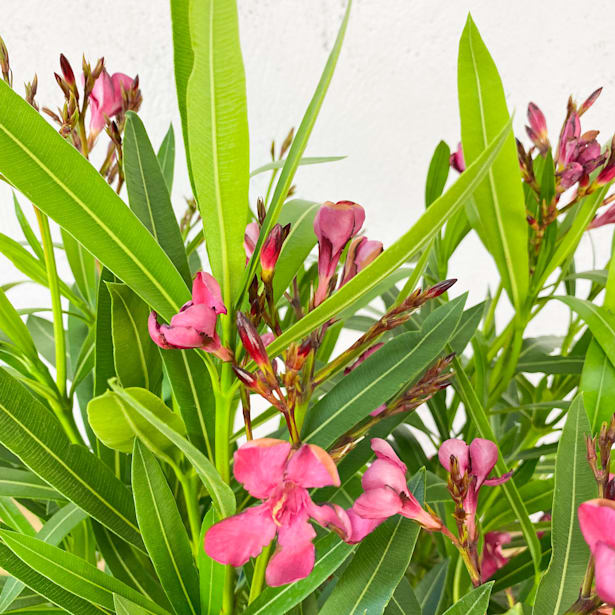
(476, 460)
(335, 225)
(386, 494)
(361, 252)
(271, 471)
(457, 160)
(493, 558)
(597, 520)
(106, 98)
(370, 351)
(194, 326)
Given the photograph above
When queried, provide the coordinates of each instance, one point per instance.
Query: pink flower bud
(206, 291)
(440, 288)
(591, 99)
(537, 130)
(457, 161)
(67, 71)
(361, 253)
(272, 246)
(252, 341)
(106, 98)
(335, 224)
(250, 238)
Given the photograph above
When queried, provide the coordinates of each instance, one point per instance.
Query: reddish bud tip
(440, 288)
(252, 341)
(67, 70)
(245, 376)
(591, 99)
(272, 246)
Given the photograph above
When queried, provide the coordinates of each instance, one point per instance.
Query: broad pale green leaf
(221, 494)
(14, 328)
(164, 532)
(32, 433)
(403, 601)
(306, 160)
(299, 243)
(23, 484)
(297, 148)
(408, 245)
(136, 357)
(116, 423)
(437, 174)
(191, 385)
(430, 591)
(40, 584)
(474, 603)
(148, 193)
(399, 363)
(73, 573)
(166, 157)
(331, 553)
(378, 565)
(52, 532)
(41, 331)
(501, 222)
(211, 573)
(574, 484)
(217, 142)
(63, 184)
(82, 266)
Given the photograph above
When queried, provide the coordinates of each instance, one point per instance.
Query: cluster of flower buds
(603, 444)
(194, 326)
(468, 467)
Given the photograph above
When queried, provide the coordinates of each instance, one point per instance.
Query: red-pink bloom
(608, 217)
(370, 351)
(477, 459)
(335, 225)
(493, 558)
(270, 470)
(195, 324)
(597, 520)
(106, 98)
(361, 252)
(457, 160)
(250, 238)
(386, 494)
(537, 130)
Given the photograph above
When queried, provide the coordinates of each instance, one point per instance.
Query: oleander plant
(217, 413)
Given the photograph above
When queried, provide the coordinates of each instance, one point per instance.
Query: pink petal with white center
(378, 503)
(259, 465)
(384, 473)
(236, 539)
(383, 450)
(454, 448)
(311, 466)
(605, 571)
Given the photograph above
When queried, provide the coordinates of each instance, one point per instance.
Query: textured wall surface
(392, 98)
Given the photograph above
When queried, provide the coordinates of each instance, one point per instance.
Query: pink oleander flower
(250, 238)
(386, 494)
(537, 130)
(195, 324)
(335, 225)
(370, 351)
(106, 98)
(477, 460)
(457, 160)
(597, 520)
(361, 252)
(272, 471)
(493, 559)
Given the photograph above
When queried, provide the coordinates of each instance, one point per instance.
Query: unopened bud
(63, 85)
(272, 246)
(260, 210)
(246, 378)
(67, 71)
(591, 99)
(609, 492)
(439, 288)
(287, 142)
(252, 342)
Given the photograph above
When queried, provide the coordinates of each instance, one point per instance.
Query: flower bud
(272, 246)
(439, 288)
(457, 161)
(361, 253)
(252, 342)
(67, 71)
(591, 99)
(537, 130)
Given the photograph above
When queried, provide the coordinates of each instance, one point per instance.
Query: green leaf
(306, 160)
(437, 174)
(52, 532)
(211, 573)
(217, 142)
(299, 243)
(82, 265)
(164, 532)
(32, 433)
(403, 601)
(430, 590)
(378, 565)
(500, 204)
(116, 423)
(574, 484)
(550, 364)
(50, 172)
(14, 328)
(104, 367)
(33, 241)
(474, 603)
(126, 607)
(221, 494)
(295, 153)
(41, 332)
(166, 157)
(331, 553)
(191, 386)
(408, 245)
(23, 484)
(148, 193)
(14, 517)
(73, 573)
(40, 584)
(397, 364)
(136, 357)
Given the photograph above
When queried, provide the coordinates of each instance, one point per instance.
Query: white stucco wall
(392, 98)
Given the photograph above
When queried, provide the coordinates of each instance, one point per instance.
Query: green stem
(192, 507)
(588, 581)
(56, 304)
(258, 578)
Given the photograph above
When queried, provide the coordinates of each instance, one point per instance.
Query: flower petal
(498, 480)
(483, 457)
(384, 473)
(182, 337)
(413, 510)
(605, 571)
(361, 526)
(331, 516)
(259, 465)
(236, 539)
(597, 520)
(199, 317)
(454, 448)
(206, 291)
(378, 503)
(311, 466)
(384, 450)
